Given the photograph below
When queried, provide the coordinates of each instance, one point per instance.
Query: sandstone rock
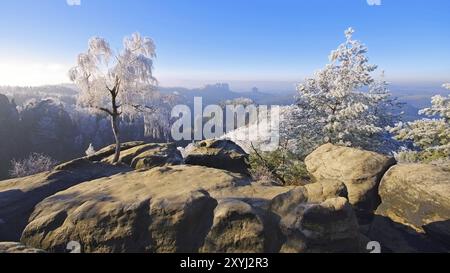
(165, 209)
(187, 208)
(314, 193)
(18, 197)
(398, 238)
(417, 195)
(325, 189)
(149, 155)
(237, 227)
(16, 248)
(326, 226)
(220, 154)
(331, 227)
(361, 171)
(183, 209)
(110, 150)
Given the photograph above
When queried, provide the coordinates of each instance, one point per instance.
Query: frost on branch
(128, 73)
(342, 103)
(430, 136)
(119, 84)
(35, 163)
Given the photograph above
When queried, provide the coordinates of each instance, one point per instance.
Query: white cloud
(374, 2)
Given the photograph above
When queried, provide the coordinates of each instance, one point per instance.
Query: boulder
(319, 226)
(18, 197)
(398, 238)
(17, 248)
(417, 196)
(150, 155)
(237, 228)
(331, 226)
(361, 171)
(220, 154)
(325, 189)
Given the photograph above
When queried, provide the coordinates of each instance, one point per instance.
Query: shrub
(35, 163)
(279, 166)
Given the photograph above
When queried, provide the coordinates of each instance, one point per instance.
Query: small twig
(271, 169)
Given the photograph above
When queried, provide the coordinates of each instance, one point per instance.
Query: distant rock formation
(10, 135)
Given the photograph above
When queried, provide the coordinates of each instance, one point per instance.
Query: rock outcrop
(147, 156)
(418, 196)
(398, 238)
(18, 197)
(186, 209)
(11, 135)
(361, 171)
(140, 155)
(109, 150)
(165, 209)
(319, 226)
(151, 202)
(237, 227)
(220, 154)
(17, 248)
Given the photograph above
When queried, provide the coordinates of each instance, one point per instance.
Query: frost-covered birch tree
(430, 135)
(342, 104)
(116, 83)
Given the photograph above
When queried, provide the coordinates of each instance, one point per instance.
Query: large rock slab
(18, 197)
(165, 209)
(361, 171)
(220, 154)
(418, 196)
(188, 209)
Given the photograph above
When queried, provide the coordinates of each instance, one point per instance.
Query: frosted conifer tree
(430, 135)
(342, 104)
(116, 83)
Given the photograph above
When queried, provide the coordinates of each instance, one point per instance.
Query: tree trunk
(114, 119)
(115, 128)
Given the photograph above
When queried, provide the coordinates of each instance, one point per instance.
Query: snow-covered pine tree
(431, 136)
(342, 104)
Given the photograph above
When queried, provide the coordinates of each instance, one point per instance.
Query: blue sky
(248, 41)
